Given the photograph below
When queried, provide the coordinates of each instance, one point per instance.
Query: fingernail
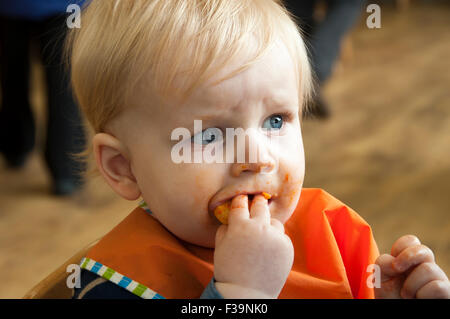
(261, 197)
(240, 201)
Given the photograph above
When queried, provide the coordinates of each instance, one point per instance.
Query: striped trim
(144, 206)
(119, 279)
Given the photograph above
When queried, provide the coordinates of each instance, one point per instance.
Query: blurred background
(379, 141)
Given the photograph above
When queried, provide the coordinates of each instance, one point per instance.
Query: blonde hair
(120, 41)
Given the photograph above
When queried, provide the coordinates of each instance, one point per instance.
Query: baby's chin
(204, 237)
(208, 242)
(280, 211)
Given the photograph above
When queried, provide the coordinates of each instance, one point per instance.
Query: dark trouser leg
(17, 127)
(65, 134)
(324, 39)
(327, 37)
(304, 11)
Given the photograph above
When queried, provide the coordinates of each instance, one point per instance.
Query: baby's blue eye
(207, 136)
(273, 122)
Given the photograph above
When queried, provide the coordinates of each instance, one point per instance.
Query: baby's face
(182, 196)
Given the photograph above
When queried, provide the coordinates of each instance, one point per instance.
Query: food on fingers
(222, 211)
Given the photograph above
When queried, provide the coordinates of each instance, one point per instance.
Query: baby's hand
(410, 272)
(253, 255)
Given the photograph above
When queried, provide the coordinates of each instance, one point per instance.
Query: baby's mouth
(222, 210)
(264, 194)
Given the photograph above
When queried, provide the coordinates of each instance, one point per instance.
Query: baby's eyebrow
(216, 112)
(207, 117)
(188, 120)
(279, 100)
(213, 113)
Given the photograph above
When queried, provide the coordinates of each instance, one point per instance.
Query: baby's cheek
(292, 170)
(293, 193)
(291, 186)
(206, 184)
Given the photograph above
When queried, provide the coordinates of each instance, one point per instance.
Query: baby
(143, 70)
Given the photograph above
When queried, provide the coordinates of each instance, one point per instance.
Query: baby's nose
(264, 166)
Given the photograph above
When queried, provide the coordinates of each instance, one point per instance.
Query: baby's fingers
(412, 256)
(385, 263)
(239, 209)
(404, 242)
(437, 289)
(220, 234)
(420, 277)
(260, 210)
(277, 224)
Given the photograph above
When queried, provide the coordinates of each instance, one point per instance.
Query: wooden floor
(385, 152)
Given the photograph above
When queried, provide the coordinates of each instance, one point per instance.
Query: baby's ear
(113, 162)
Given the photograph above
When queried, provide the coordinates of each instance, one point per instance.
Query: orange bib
(333, 247)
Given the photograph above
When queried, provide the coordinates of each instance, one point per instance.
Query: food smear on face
(266, 195)
(222, 211)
